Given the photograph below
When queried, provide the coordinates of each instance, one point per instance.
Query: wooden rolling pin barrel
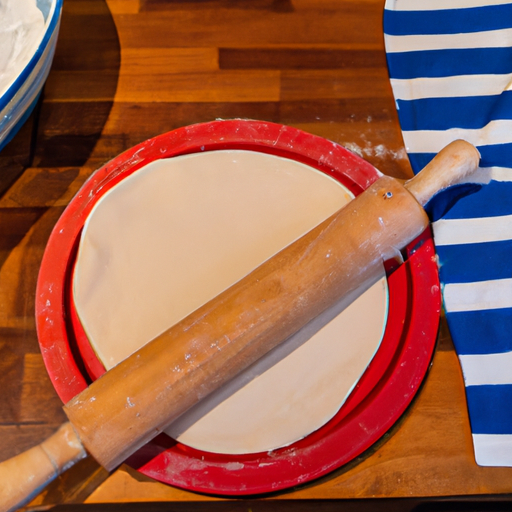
(141, 396)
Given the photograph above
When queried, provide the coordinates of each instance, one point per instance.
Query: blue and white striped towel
(450, 65)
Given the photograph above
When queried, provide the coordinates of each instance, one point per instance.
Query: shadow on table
(68, 119)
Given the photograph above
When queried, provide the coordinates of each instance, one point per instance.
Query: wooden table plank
(249, 24)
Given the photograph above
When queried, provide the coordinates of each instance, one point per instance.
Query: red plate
(379, 399)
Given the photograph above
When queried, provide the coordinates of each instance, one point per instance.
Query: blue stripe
(443, 63)
(445, 200)
(472, 201)
(445, 113)
(481, 332)
(475, 262)
(448, 21)
(490, 409)
(420, 160)
(491, 200)
(499, 155)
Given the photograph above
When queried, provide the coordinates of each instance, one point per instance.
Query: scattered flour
(371, 150)
(21, 31)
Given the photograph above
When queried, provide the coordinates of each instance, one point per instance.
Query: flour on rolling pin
(179, 231)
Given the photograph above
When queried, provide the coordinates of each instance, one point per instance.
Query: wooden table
(127, 70)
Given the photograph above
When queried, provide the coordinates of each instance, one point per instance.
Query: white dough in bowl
(176, 233)
(22, 28)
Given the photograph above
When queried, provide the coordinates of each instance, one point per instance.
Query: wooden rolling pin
(140, 397)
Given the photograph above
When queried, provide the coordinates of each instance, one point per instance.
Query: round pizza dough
(177, 232)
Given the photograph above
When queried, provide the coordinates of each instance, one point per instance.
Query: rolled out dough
(179, 231)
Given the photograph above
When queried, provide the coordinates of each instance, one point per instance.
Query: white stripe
(486, 174)
(493, 450)
(473, 230)
(451, 86)
(487, 369)
(438, 5)
(481, 295)
(413, 43)
(432, 141)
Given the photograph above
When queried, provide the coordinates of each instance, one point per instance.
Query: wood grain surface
(126, 70)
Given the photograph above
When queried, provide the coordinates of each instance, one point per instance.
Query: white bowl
(20, 98)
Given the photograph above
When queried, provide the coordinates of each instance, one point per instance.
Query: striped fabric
(450, 65)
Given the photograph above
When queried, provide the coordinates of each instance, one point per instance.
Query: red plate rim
(381, 396)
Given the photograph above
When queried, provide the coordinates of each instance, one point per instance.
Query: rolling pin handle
(24, 475)
(451, 165)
